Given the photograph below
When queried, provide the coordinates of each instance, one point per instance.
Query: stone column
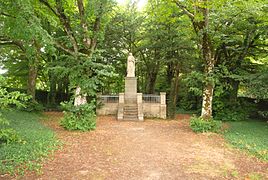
(139, 98)
(163, 106)
(140, 109)
(121, 100)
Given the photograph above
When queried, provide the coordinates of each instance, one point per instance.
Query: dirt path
(146, 150)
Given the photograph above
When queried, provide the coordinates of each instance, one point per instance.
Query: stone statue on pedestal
(130, 66)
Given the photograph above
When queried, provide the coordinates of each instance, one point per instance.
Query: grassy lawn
(39, 142)
(251, 136)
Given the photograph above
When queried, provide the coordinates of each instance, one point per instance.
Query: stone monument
(130, 66)
(130, 102)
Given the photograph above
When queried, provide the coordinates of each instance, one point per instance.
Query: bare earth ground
(154, 149)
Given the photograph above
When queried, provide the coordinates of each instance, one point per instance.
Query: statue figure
(130, 66)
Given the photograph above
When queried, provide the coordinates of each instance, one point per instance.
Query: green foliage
(39, 142)
(200, 125)
(11, 98)
(31, 106)
(263, 114)
(80, 117)
(7, 135)
(250, 136)
(229, 111)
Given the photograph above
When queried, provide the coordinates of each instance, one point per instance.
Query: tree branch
(7, 41)
(66, 24)
(49, 6)
(86, 39)
(7, 15)
(65, 49)
(96, 28)
(184, 9)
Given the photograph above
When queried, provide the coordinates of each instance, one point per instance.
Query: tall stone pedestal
(130, 90)
(130, 102)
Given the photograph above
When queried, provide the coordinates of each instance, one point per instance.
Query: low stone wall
(150, 106)
(108, 109)
(152, 110)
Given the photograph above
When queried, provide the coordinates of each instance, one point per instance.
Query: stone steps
(130, 112)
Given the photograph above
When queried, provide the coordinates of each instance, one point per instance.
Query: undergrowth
(200, 125)
(38, 142)
(80, 118)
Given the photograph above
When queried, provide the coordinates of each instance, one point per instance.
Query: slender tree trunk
(233, 91)
(52, 92)
(33, 70)
(173, 94)
(32, 80)
(150, 89)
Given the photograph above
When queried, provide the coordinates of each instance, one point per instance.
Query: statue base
(130, 90)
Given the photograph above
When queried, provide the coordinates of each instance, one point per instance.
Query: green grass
(251, 136)
(39, 142)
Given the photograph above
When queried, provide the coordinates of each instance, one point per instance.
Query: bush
(263, 114)
(239, 111)
(198, 124)
(31, 106)
(81, 117)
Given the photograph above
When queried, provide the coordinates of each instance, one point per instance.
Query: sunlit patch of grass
(250, 136)
(39, 142)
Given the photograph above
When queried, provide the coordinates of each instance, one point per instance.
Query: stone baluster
(163, 105)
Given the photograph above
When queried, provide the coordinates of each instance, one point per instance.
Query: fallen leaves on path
(153, 149)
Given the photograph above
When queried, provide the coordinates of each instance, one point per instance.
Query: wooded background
(210, 56)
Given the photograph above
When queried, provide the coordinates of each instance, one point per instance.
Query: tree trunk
(206, 112)
(52, 92)
(208, 90)
(173, 94)
(233, 91)
(32, 81)
(150, 89)
(208, 55)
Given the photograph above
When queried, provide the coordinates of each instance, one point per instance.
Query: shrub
(239, 111)
(81, 117)
(198, 124)
(263, 114)
(31, 106)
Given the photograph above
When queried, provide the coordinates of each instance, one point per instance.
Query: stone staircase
(130, 112)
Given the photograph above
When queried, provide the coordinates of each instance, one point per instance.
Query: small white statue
(130, 66)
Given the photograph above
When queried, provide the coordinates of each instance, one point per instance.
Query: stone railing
(109, 98)
(149, 105)
(150, 98)
(108, 104)
(154, 105)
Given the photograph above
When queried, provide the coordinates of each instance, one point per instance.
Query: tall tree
(199, 16)
(82, 23)
(21, 28)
